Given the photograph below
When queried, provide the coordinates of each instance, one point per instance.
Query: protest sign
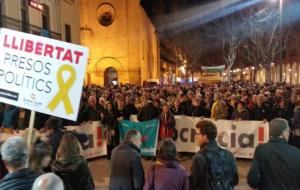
(41, 74)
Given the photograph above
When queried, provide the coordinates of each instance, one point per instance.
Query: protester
(71, 166)
(111, 123)
(261, 110)
(10, 117)
(48, 181)
(148, 112)
(127, 172)
(90, 112)
(212, 167)
(167, 123)
(218, 110)
(240, 112)
(167, 173)
(296, 119)
(14, 153)
(40, 157)
(276, 164)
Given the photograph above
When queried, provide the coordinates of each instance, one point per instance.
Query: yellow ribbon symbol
(64, 88)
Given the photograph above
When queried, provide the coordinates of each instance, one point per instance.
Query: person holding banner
(218, 110)
(167, 173)
(167, 123)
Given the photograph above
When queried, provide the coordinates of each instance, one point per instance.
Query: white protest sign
(41, 74)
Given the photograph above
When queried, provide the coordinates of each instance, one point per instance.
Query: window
(68, 33)
(46, 17)
(24, 16)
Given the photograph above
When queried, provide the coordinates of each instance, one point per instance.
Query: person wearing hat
(276, 164)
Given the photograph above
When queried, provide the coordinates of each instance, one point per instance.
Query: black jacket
(20, 180)
(261, 113)
(148, 112)
(276, 166)
(127, 172)
(75, 173)
(199, 178)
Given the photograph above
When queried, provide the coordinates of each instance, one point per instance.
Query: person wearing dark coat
(122, 112)
(90, 112)
(281, 111)
(15, 154)
(177, 109)
(196, 110)
(70, 166)
(167, 173)
(110, 121)
(295, 136)
(148, 112)
(275, 164)
(207, 133)
(240, 113)
(127, 171)
(261, 110)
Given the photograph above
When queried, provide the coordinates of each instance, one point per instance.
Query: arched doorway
(110, 74)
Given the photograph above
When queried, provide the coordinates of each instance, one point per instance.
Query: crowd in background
(61, 152)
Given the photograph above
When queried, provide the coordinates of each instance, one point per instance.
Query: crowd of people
(212, 168)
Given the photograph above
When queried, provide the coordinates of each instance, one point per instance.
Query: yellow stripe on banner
(64, 88)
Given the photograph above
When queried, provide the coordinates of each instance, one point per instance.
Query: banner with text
(97, 138)
(41, 74)
(148, 130)
(239, 137)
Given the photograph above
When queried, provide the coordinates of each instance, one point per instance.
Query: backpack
(218, 170)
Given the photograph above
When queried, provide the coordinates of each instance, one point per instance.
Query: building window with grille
(24, 16)
(68, 33)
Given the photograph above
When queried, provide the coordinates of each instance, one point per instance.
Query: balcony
(14, 24)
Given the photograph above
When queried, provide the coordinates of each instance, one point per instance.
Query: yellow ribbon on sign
(64, 88)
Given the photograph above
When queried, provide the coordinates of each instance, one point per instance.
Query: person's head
(278, 93)
(101, 101)
(176, 102)
(196, 102)
(296, 96)
(281, 103)
(233, 99)
(240, 106)
(133, 136)
(53, 123)
(92, 101)
(165, 108)
(69, 147)
(14, 153)
(190, 95)
(279, 128)
(167, 150)
(48, 181)
(156, 103)
(121, 103)
(109, 106)
(260, 99)
(206, 131)
(217, 96)
(40, 156)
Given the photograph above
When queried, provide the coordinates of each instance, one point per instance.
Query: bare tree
(264, 41)
(192, 48)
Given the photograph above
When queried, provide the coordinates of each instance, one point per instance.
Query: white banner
(94, 131)
(97, 141)
(41, 74)
(239, 137)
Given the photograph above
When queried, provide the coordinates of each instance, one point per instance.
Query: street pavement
(100, 169)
